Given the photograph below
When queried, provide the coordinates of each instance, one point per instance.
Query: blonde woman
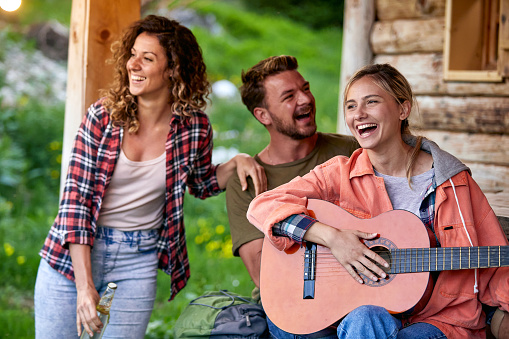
(392, 170)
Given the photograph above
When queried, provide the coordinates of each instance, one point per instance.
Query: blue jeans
(277, 333)
(369, 322)
(127, 258)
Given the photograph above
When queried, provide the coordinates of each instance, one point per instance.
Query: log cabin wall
(468, 119)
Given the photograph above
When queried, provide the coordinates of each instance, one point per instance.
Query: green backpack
(222, 314)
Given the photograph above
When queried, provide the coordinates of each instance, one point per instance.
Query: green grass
(30, 146)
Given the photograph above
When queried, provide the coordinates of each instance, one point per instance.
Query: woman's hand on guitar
(349, 251)
(355, 256)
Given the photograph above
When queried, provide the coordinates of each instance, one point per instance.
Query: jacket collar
(446, 165)
(360, 164)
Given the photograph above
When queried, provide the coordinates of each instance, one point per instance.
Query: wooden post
(95, 24)
(356, 51)
(504, 39)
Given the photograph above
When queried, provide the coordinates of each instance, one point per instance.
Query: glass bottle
(103, 311)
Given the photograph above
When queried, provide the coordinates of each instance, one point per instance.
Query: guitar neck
(411, 260)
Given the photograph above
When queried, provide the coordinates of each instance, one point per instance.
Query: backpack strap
(223, 293)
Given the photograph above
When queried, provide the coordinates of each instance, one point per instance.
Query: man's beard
(291, 130)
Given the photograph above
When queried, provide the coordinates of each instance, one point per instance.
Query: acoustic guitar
(304, 289)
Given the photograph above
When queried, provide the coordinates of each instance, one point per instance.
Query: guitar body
(336, 293)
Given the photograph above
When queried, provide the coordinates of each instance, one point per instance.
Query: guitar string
(426, 257)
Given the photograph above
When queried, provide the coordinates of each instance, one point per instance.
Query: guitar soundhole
(385, 253)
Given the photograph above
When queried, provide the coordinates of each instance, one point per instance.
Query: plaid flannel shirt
(94, 155)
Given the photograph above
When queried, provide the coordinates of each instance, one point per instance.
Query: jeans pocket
(148, 244)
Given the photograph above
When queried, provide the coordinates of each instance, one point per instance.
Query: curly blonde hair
(188, 85)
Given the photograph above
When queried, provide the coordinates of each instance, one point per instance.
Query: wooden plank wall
(468, 119)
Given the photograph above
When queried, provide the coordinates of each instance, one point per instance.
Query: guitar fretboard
(411, 260)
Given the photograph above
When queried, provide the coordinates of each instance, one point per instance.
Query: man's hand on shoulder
(248, 167)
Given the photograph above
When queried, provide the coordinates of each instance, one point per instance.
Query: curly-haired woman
(121, 213)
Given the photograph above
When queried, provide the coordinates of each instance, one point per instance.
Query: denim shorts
(128, 259)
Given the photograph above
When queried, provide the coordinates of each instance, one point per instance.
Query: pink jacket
(454, 307)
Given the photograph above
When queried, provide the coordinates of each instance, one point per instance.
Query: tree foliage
(312, 13)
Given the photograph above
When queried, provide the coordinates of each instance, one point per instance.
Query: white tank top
(134, 199)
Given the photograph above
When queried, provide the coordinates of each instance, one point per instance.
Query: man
(280, 98)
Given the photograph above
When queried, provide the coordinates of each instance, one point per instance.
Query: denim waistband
(111, 233)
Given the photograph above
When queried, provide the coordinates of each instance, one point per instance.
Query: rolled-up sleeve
(294, 227)
(287, 200)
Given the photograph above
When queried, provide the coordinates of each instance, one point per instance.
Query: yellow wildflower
(202, 222)
(9, 250)
(212, 246)
(54, 145)
(198, 239)
(220, 229)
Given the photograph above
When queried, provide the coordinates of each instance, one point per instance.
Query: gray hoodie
(446, 165)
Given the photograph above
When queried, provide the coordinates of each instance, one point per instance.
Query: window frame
(484, 37)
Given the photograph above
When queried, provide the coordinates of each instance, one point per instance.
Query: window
(476, 44)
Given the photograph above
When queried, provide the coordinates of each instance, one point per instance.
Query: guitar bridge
(309, 271)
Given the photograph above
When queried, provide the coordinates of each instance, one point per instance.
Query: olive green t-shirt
(237, 201)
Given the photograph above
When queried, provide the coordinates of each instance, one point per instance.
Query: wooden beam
(463, 114)
(424, 72)
(477, 147)
(491, 178)
(409, 9)
(503, 39)
(107, 21)
(408, 36)
(95, 24)
(498, 202)
(75, 81)
(356, 52)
